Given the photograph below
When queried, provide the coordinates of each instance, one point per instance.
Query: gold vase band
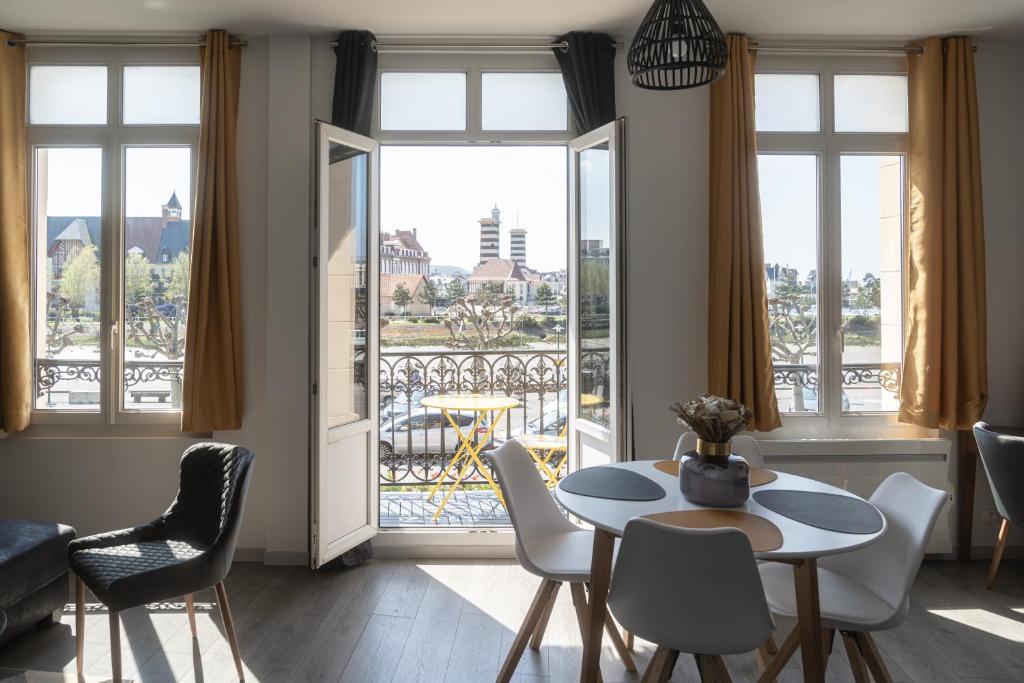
(714, 449)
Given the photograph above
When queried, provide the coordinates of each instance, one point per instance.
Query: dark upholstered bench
(33, 573)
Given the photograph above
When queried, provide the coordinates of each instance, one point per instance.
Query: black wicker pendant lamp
(678, 45)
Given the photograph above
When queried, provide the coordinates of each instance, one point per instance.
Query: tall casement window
(832, 143)
(112, 144)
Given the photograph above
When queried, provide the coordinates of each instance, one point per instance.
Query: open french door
(598, 429)
(345, 326)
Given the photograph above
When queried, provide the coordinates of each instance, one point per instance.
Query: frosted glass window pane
(786, 102)
(74, 95)
(161, 95)
(524, 101)
(422, 101)
(871, 104)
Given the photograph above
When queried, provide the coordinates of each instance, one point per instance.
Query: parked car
(424, 428)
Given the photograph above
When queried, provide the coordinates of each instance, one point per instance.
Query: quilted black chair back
(211, 497)
(1002, 454)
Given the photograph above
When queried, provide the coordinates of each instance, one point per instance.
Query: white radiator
(860, 465)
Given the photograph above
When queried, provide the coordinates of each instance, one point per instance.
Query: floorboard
(453, 622)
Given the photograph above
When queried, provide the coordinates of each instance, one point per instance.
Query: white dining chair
(549, 546)
(865, 590)
(689, 590)
(743, 445)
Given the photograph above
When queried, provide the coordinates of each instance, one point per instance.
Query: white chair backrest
(692, 590)
(531, 508)
(889, 565)
(742, 444)
(687, 442)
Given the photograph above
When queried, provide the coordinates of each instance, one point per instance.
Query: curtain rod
(881, 50)
(398, 46)
(78, 42)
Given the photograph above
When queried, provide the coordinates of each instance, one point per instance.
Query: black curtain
(355, 78)
(588, 69)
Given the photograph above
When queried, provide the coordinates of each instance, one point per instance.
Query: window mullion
(830, 298)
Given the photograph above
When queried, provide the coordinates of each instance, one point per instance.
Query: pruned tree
(545, 296)
(59, 337)
(793, 330)
(401, 296)
(475, 323)
(491, 292)
(138, 282)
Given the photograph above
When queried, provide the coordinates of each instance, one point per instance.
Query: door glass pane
(595, 237)
(789, 217)
(872, 254)
(346, 292)
(75, 95)
(524, 101)
(68, 326)
(422, 101)
(786, 102)
(157, 245)
(871, 104)
(161, 95)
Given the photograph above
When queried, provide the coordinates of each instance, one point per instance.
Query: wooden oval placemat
(762, 534)
(758, 475)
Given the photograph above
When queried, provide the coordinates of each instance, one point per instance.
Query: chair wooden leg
(997, 555)
(579, 602)
(866, 645)
(712, 669)
(765, 653)
(860, 673)
(661, 665)
(828, 637)
(115, 647)
(620, 647)
(190, 606)
(783, 656)
(627, 635)
(79, 625)
(541, 602)
(542, 625)
(229, 628)
(721, 673)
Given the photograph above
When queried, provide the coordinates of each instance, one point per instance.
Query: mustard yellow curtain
(945, 372)
(15, 295)
(212, 386)
(739, 349)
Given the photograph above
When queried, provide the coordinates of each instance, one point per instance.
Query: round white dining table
(801, 547)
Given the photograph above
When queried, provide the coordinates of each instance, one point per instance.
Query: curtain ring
(373, 46)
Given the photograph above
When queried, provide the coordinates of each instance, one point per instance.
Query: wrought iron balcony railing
(51, 374)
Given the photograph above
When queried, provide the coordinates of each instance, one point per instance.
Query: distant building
(505, 272)
(388, 284)
(776, 275)
(518, 251)
(490, 235)
(402, 254)
(69, 242)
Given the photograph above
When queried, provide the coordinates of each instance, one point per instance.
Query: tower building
(490, 235)
(518, 253)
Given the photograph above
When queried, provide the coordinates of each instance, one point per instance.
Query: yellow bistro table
(467, 454)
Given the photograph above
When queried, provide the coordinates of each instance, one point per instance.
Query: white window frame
(112, 138)
(471, 541)
(828, 147)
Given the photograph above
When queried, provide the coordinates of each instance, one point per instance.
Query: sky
(445, 191)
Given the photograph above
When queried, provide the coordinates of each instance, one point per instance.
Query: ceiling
(761, 18)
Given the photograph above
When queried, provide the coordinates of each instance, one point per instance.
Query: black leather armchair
(185, 550)
(1002, 454)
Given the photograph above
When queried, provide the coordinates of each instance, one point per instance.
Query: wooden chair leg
(190, 606)
(860, 673)
(828, 636)
(542, 625)
(866, 645)
(783, 656)
(712, 669)
(79, 625)
(115, 647)
(721, 673)
(620, 647)
(627, 635)
(229, 628)
(541, 601)
(765, 653)
(997, 555)
(660, 667)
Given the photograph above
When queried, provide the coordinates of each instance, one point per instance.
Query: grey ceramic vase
(714, 476)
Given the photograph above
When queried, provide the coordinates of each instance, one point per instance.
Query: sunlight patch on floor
(984, 620)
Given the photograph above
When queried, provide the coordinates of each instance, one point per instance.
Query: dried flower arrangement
(713, 418)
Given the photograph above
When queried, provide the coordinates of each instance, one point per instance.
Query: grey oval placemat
(830, 511)
(612, 482)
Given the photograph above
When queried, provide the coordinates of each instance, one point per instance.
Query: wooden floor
(454, 621)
